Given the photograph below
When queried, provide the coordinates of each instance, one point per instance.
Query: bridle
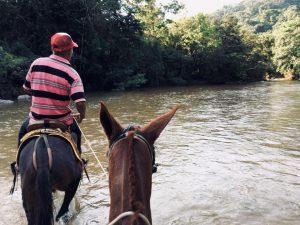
(136, 135)
(129, 213)
(119, 138)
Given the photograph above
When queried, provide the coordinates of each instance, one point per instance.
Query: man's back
(53, 82)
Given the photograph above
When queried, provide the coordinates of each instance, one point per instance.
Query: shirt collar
(59, 58)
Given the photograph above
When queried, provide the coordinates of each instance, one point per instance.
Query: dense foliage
(277, 24)
(129, 44)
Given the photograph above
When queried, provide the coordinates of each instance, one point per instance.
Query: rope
(129, 213)
(91, 149)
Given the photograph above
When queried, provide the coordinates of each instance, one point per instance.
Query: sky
(193, 7)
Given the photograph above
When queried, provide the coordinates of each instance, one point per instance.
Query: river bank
(19, 98)
(11, 95)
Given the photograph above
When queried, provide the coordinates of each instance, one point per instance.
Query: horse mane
(135, 205)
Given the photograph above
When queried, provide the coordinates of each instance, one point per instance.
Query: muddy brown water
(230, 155)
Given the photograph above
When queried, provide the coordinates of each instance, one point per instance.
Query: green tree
(239, 57)
(12, 70)
(286, 47)
(197, 38)
(195, 34)
(153, 17)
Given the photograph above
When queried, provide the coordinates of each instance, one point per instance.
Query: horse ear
(152, 130)
(110, 125)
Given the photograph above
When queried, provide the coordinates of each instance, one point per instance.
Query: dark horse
(47, 163)
(131, 158)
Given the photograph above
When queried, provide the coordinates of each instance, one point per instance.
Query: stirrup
(15, 171)
(154, 167)
(84, 163)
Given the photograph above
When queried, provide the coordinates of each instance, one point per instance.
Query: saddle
(49, 127)
(35, 131)
(53, 124)
(52, 128)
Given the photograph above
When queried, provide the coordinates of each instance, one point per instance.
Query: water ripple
(229, 156)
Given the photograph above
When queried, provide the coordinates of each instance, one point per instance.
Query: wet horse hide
(131, 159)
(47, 161)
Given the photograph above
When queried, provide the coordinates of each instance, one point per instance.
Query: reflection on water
(230, 155)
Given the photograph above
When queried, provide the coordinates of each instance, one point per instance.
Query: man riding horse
(48, 159)
(52, 83)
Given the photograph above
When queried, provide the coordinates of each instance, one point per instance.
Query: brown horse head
(131, 155)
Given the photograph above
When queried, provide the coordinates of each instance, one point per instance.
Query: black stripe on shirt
(45, 94)
(53, 71)
(77, 95)
(40, 117)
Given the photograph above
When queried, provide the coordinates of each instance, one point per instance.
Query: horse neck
(131, 190)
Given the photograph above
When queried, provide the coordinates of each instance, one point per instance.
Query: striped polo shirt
(53, 83)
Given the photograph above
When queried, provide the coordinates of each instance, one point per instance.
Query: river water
(230, 155)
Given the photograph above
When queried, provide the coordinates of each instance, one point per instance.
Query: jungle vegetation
(131, 44)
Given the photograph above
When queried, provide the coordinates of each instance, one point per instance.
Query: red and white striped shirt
(53, 83)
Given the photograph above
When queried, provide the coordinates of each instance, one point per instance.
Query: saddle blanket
(52, 132)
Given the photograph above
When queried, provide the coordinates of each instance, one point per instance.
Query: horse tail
(43, 188)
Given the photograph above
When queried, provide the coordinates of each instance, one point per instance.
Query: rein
(124, 134)
(129, 213)
(91, 149)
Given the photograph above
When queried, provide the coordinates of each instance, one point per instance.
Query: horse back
(65, 166)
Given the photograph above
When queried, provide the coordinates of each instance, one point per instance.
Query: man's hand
(77, 117)
(81, 109)
(27, 92)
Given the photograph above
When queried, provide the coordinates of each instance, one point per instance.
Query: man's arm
(27, 92)
(80, 106)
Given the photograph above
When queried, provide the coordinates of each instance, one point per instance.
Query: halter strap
(124, 134)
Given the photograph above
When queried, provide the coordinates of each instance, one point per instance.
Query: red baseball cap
(62, 42)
